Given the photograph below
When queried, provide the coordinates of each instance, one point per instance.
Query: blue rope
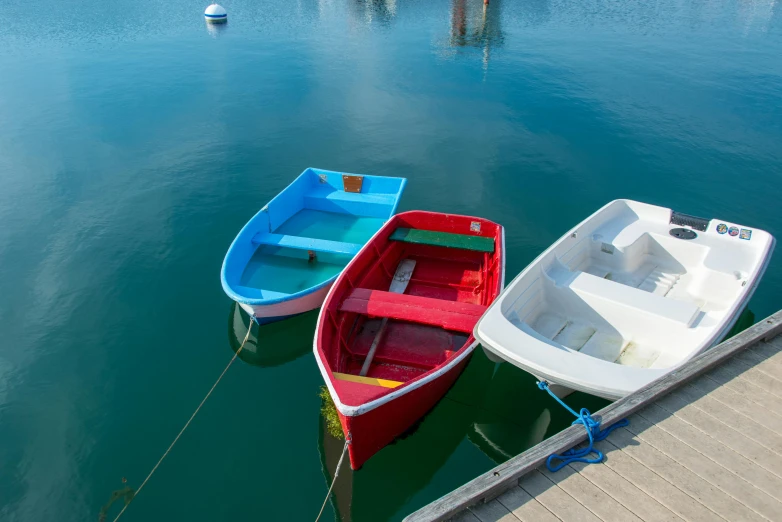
(594, 433)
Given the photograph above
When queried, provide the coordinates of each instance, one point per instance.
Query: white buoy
(216, 14)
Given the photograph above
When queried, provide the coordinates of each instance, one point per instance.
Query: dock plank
(556, 500)
(762, 379)
(772, 362)
(749, 390)
(525, 507)
(769, 349)
(681, 477)
(710, 471)
(655, 486)
(747, 438)
(625, 493)
(753, 368)
(590, 496)
(493, 511)
(748, 410)
(715, 450)
(705, 443)
(467, 516)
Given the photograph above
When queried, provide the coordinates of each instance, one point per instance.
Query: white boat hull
(625, 297)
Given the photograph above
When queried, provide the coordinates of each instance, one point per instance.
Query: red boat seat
(450, 315)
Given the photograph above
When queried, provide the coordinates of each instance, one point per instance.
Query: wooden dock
(704, 443)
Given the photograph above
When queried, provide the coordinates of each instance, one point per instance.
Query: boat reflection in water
(516, 415)
(280, 342)
(404, 467)
(506, 425)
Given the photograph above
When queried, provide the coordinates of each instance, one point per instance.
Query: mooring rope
(176, 439)
(594, 433)
(336, 474)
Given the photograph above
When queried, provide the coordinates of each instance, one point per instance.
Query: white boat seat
(306, 243)
(627, 235)
(596, 288)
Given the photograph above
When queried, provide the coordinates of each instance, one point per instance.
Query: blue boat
(286, 258)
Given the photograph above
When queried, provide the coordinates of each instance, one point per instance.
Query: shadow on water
(516, 415)
(272, 344)
(404, 467)
(745, 320)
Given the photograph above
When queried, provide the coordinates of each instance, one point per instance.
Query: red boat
(395, 330)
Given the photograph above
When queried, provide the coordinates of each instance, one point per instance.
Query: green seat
(443, 239)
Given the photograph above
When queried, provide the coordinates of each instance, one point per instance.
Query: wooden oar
(398, 286)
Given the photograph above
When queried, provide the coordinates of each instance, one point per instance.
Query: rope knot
(592, 427)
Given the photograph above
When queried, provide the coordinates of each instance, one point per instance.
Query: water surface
(135, 142)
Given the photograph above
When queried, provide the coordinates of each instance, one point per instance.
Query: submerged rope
(336, 474)
(594, 433)
(176, 439)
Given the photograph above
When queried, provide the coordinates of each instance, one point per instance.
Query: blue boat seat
(329, 200)
(306, 243)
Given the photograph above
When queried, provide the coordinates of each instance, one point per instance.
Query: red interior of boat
(449, 290)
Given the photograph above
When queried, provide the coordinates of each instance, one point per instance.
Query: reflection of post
(473, 24)
(486, 46)
(458, 22)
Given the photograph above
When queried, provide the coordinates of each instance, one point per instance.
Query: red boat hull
(377, 428)
(387, 352)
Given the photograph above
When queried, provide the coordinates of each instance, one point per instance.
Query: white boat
(629, 294)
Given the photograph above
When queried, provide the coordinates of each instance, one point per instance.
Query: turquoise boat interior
(303, 238)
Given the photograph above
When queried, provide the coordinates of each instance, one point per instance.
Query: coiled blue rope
(594, 433)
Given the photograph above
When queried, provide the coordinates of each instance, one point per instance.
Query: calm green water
(135, 142)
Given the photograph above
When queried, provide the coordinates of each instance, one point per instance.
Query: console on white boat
(626, 296)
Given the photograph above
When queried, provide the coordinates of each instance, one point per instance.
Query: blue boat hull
(285, 259)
